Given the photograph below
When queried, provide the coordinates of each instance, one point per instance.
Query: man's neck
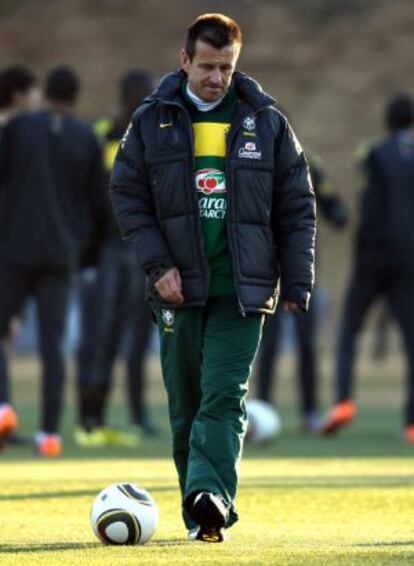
(201, 104)
(59, 107)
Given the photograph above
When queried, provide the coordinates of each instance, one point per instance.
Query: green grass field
(302, 500)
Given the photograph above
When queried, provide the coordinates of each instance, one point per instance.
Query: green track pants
(206, 357)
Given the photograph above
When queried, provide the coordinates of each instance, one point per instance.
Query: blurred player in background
(384, 256)
(51, 194)
(18, 93)
(113, 302)
(333, 211)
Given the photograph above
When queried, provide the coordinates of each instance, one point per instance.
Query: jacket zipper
(194, 194)
(229, 139)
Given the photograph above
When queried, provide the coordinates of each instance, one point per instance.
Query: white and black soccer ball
(124, 513)
(263, 422)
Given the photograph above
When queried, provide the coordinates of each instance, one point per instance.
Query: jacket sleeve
(329, 203)
(134, 207)
(294, 218)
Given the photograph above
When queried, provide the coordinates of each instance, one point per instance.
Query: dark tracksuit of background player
(50, 193)
(333, 211)
(111, 303)
(384, 255)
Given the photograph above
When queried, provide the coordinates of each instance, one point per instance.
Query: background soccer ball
(124, 513)
(263, 421)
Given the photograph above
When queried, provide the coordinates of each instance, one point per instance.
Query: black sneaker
(197, 535)
(208, 511)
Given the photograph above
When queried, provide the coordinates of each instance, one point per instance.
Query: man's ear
(185, 59)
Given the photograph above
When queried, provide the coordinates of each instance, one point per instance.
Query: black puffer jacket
(271, 204)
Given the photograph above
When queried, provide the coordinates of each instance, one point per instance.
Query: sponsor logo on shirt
(249, 123)
(250, 146)
(213, 208)
(210, 181)
(250, 151)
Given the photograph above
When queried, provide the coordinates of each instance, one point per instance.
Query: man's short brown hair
(216, 29)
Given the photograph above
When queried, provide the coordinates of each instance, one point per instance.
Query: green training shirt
(210, 129)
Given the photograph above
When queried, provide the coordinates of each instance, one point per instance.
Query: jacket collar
(247, 89)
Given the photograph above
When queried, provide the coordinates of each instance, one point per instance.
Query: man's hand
(169, 287)
(289, 306)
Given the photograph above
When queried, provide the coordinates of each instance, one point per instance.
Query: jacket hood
(247, 89)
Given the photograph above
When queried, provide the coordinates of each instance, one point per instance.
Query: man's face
(211, 70)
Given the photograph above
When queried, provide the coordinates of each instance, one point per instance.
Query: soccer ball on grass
(263, 422)
(124, 513)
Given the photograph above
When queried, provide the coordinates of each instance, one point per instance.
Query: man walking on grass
(211, 190)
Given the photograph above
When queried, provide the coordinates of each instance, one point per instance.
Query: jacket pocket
(253, 195)
(176, 210)
(169, 189)
(256, 252)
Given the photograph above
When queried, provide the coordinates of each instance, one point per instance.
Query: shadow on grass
(382, 544)
(265, 483)
(64, 546)
(46, 547)
(75, 493)
(166, 542)
(327, 482)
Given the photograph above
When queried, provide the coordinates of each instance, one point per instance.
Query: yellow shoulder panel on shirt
(210, 138)
(363, 149)
(102, 126)
(110, 149)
